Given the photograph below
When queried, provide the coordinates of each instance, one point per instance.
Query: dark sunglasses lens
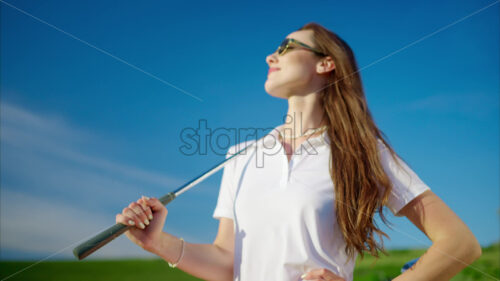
(282, 47)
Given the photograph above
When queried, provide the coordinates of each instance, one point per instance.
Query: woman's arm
(454, 247)
(206, 261)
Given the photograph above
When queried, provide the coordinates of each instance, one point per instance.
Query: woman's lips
(272, 70)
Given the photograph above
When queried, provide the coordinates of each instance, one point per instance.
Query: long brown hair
(361, 185)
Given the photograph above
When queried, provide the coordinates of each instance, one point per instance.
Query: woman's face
(295, 71)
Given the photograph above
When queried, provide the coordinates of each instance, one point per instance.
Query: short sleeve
(406, 185)
(224, 207)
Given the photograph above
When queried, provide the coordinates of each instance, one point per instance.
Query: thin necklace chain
(306, 133)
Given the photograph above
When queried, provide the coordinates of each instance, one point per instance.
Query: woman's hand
(147, 217)
(321, 274)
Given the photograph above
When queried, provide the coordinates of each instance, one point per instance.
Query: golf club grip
(93, 244)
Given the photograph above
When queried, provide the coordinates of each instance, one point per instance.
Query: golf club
(93, 244)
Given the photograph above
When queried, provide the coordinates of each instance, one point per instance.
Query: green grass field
(124, 270)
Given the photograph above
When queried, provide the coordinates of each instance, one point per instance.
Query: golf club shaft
(93, 244)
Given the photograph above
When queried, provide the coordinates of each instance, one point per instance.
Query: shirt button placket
(284, 173)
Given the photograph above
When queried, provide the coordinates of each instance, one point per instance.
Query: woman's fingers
(156, 205)
(321, 274)
(140, 213)
(124, 220)
(147, 209)
(132, 215)
(139, 210)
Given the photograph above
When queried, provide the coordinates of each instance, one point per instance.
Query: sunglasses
(288, 43)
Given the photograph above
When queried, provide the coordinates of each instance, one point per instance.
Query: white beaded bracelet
(174, 265)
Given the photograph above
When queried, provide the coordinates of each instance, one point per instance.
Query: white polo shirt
(283, 212)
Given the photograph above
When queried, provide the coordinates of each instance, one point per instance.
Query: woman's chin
(275, 92)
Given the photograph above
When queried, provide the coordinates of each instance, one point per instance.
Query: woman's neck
(304, 112)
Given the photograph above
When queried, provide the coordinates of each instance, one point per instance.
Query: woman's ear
(325, 65)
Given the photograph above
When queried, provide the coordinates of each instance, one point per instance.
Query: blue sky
(91, 120)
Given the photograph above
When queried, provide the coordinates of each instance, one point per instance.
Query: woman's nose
(271, 58)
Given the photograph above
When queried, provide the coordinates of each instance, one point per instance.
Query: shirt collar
(272, 137)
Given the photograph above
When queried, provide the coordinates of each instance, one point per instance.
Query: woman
(307, 213)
